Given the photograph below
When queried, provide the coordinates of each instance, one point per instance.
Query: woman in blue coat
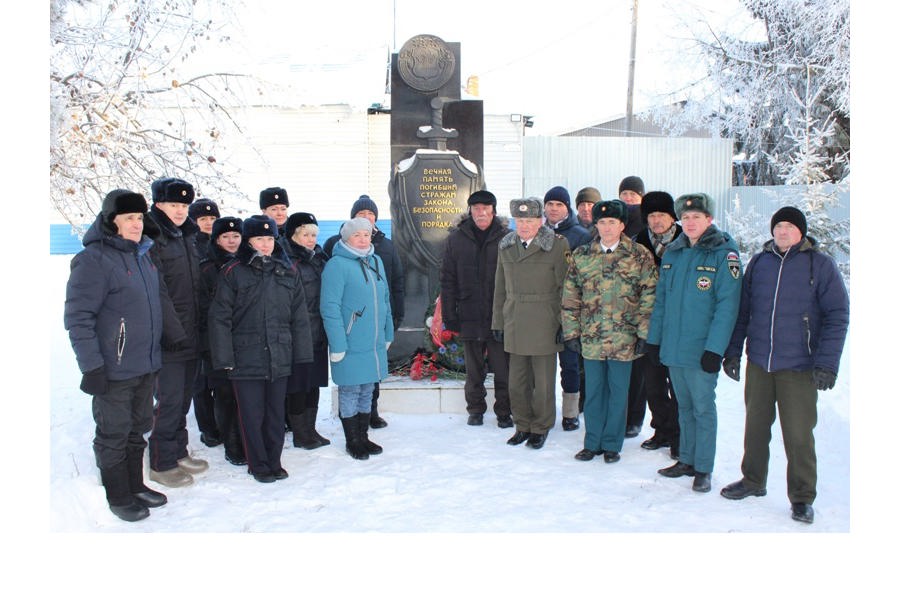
(114, 319)
(258, 328)
(356, 311)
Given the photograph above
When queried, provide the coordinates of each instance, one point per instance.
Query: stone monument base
(400, 394)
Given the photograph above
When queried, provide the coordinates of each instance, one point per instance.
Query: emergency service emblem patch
(704, 283)
(734, 264)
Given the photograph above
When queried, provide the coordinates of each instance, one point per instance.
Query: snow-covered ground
(439, 476)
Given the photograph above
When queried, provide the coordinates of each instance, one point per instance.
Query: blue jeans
(354, 399)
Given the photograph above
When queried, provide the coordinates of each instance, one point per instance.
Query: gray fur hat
(699, 202)
(526, 207)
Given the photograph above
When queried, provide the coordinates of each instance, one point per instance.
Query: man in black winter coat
(467, 296)
(365, 207)
(650, 384)
(176, 258)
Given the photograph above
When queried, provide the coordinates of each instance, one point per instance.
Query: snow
(440, 477)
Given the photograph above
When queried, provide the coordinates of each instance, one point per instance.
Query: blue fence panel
(63, 239)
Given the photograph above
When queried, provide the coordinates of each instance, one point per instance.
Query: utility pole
(629, 104)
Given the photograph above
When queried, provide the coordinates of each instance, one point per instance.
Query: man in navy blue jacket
(794, 315)
(562, 221)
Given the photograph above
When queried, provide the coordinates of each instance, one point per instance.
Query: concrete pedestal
(400, 394)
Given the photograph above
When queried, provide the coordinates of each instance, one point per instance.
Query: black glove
(573, 345)
(94, 382)
(732, 367)
(498, 335)
(640, 347)
(710, 361)
(653, 354)
(453, 326)
(175, 347)
(824, 379)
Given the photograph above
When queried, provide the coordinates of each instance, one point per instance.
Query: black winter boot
(351, 433)
(363, 424)
(118, 494)
(303, 437)
(310, 415)
(374, 420)
(141, 493)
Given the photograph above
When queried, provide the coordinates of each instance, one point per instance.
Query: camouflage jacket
(607, 299)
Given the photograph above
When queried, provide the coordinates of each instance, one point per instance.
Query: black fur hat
(609, 209)
(204, 207)
(482, 197)
(259, 226)
(172, 189)
(657, 202)
(225, 224)
(120, 202)
(298, 220)
(272, 196)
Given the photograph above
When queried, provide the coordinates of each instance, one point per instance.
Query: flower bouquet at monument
(443, 344)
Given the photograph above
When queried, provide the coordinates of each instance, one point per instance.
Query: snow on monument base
(400, 394)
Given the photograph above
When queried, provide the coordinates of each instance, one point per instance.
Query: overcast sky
(564, 62)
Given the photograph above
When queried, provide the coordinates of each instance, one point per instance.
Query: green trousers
(794, 393)
(532, 392)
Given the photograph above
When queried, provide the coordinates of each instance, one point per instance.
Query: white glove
(387, 346)
(337, 356)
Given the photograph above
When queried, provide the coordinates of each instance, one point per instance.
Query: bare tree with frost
(126, 106)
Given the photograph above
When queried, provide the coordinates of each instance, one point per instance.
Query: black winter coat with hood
(112, 311)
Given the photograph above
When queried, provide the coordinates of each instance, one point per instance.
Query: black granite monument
(437, 154)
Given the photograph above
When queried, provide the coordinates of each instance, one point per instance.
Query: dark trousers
(261, 416)
(226, 419)
(532, 392)
(662, 401)
(570, 378)
(477, 370)
(204, 405)
(794, 394)
(299, 402)
(122, 415)
(169, 439)
(637, 394)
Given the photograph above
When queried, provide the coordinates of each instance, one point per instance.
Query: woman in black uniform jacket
(258, 328)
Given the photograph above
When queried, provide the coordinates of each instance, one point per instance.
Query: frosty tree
(779, 86)
(781, 90)
(126, 108)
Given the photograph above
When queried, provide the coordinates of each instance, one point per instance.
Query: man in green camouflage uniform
(606, 306)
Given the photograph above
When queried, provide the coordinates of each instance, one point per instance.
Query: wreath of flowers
(442, 354)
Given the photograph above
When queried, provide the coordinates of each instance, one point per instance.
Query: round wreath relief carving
(426, 63)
